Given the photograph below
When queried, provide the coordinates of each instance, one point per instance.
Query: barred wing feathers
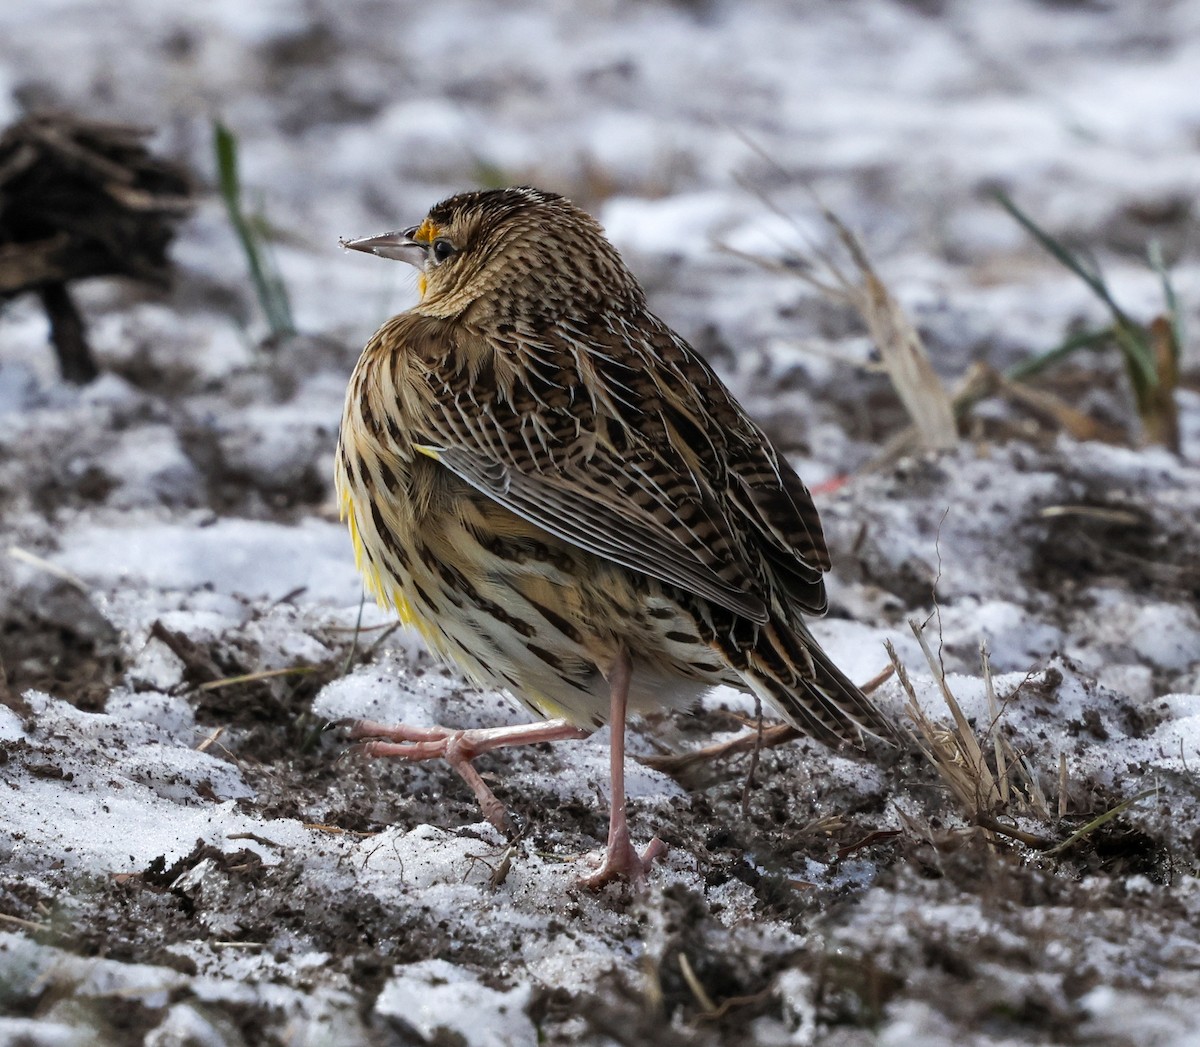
(627, 445)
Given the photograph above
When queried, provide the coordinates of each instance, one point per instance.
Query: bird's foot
(458, 748)
(622, 862)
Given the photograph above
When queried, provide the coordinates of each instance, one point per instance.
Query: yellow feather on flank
(387, 596)
(408, 616)
(346, 512)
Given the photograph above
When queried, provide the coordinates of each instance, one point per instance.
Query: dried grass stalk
(901, 350)
(900, 347)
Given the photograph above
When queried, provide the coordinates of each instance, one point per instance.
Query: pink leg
(621, 861)
(459, 748)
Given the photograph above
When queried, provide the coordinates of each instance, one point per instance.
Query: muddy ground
(188, 857)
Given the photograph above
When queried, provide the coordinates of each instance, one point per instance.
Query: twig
(693, 983)
(994, 712)
(204, 745)
(676, 764)
(335, 830)
(362, 599)
(265, 674)
(33, 560)
(29, 925)
(679, 763)
(754, 753)
(1103, 819)
(67, 333)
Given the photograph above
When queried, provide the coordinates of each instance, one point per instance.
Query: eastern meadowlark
(568, 504)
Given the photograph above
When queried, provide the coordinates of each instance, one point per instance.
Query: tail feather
(788, 667)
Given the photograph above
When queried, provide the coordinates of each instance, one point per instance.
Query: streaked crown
(520, 251)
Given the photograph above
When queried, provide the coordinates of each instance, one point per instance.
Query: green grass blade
(1139, 361)
(225, 149)
(264, 274)
(1025, 369)
(1065, 257)
(1103, 819)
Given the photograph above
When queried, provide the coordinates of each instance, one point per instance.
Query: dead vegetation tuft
(997, 789)
(78, 199)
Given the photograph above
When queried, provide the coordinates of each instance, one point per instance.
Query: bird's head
(511, 249)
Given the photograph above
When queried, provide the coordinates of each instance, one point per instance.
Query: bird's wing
(776, 504)
(633, 451)
(586, 516)
(763, 501)
(587, 448)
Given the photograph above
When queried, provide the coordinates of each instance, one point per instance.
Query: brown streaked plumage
(566, 501)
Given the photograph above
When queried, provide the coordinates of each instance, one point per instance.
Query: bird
(566, 501)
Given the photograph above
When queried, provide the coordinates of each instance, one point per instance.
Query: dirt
(300, 770)
(192, 851)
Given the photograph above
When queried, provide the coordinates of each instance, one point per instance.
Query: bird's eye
(442, 249)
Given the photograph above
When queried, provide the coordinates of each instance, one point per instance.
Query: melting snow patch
(438, 1000)
(247, 557)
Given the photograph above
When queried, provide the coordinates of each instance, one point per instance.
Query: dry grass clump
(82, 199)
(995, 787)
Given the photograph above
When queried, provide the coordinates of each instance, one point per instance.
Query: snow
(248, 558)
(207, 859)
(435, 999)
(117, 814)
(686, 224)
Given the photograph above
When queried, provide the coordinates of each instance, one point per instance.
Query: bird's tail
(789, 669)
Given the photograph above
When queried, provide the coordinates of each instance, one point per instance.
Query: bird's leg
(459, 748)
(621, 860)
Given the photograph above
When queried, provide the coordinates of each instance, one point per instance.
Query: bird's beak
(399, 246)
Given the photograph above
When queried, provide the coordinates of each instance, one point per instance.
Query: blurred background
(666, 119)
(943, 250)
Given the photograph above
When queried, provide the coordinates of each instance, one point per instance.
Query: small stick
(67, 334)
